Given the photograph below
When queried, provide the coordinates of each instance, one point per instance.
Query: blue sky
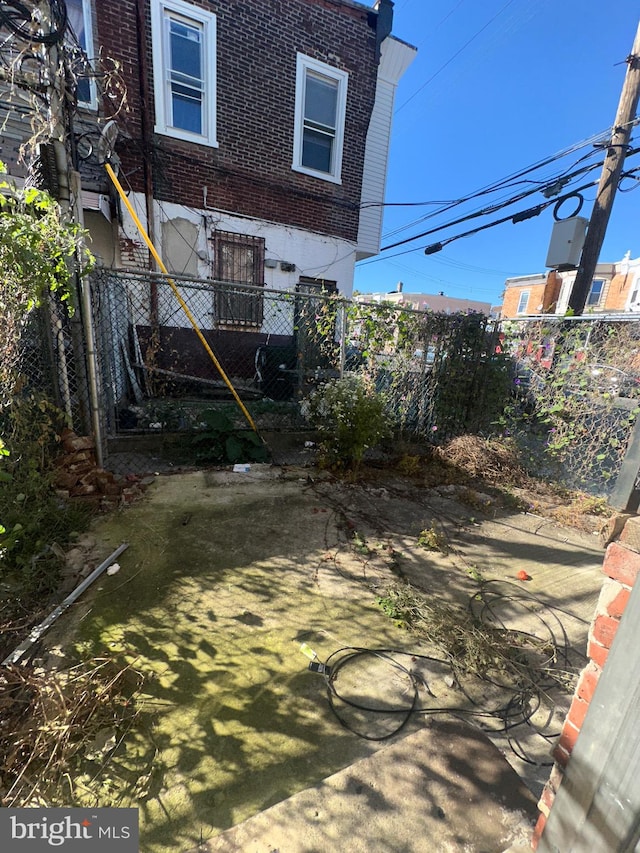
(497, 86)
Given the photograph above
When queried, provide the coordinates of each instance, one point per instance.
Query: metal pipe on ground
(40, 629)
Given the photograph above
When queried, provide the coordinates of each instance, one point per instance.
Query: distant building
(615, 289)
(437, 302)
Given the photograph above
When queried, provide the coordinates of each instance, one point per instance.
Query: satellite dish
(105, 148)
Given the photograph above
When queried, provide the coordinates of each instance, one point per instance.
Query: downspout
(147, 160)
(384, 23)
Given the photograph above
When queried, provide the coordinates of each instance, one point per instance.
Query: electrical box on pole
(567, 240)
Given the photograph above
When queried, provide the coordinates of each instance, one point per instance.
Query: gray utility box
(567, 240)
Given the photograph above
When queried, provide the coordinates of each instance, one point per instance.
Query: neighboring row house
(254, 138)
(436, 302)
(251, 137)
(615, 289)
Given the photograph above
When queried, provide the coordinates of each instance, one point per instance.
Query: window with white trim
(523, 302)
(184, 63)
(595, 293)
(79, 17)
(321, 100)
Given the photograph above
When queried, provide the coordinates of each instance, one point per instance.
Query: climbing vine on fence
(40, 253)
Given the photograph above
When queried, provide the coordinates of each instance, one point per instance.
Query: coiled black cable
(18, 18)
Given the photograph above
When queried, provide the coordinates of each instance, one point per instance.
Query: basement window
(238, 259)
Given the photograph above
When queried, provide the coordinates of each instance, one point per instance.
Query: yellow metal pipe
(183, 304)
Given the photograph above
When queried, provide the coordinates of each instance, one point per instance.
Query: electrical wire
(493, 208)
(20, 20)
(520, 216)
(513, 179)
(537, 662)
(455, 56)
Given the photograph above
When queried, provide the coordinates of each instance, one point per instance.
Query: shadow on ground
(226, 575)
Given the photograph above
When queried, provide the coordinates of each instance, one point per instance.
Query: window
(595, 293)
(184, 61)
(79, 15)
(523, 302)
(321, 97)
(238, 259)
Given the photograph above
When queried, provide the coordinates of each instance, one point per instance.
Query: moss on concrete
(223, 580)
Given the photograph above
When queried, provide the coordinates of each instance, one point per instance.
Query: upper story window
(79, 15)
(321, 98)
(184, 61)
(523, 302)
(595, 293)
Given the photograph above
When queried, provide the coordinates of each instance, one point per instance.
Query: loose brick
(537, 832)
(631, 533)
(568, 737)
(546, 800)
(561, 755)
(612, 528)
(555, 777)
(577, 712)
(617, 606)
(604, 630)
(621, 563)
(588, 681)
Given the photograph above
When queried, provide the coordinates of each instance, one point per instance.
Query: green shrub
(350, 417)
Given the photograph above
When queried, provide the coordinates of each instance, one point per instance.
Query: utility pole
(609, 179)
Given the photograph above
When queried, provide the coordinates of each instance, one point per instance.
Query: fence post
(343, 336)
(625, 495)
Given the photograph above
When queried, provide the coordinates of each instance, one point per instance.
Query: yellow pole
(183, 304)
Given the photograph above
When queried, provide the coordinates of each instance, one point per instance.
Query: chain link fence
(577, 382)
(439, 374)
(567, 389)
(42, 359)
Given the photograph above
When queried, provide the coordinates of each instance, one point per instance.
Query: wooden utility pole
(611, 171)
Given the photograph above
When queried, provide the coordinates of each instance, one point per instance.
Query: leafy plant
(221, 441)
(432, 539)
(350, 417)
(40, 253)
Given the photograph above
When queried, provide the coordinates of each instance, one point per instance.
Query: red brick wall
(512, 297)
(621, 567)
(250, 172)
(618, 292)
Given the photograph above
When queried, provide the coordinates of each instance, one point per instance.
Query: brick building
(251, 135)
(615, 288)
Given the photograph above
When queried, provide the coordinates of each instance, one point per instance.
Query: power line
(521, 216)
(512, 179)
(485, 210)
(504, 183)
(455, 55)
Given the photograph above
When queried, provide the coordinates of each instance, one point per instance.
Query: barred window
(238, 259)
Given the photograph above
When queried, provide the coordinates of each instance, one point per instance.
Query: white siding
(396, 56)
